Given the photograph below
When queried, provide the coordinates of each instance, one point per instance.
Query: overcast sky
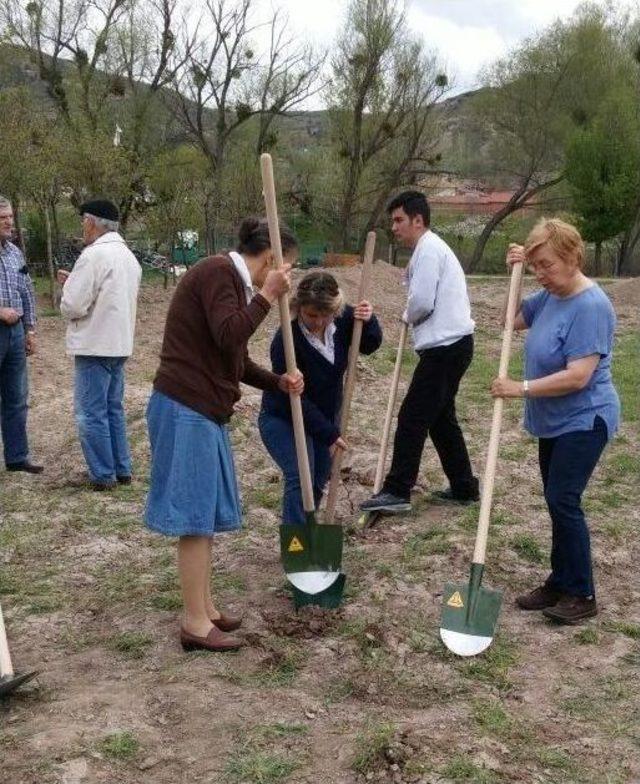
(466, 33)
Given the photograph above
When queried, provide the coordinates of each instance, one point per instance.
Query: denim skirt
(193, 488)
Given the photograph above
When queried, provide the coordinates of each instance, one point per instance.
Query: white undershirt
(325, 347)
(241, 267)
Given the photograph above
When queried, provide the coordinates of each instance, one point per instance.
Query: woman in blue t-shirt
(571, 405)
(322, 331)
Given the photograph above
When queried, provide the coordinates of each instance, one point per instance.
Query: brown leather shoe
(214, 641)
(572, 609)
(227, 623)
(539, 599)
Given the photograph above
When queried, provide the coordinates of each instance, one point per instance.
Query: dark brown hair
(318, 290)
(253, 237)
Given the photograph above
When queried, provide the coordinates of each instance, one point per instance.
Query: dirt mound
(625, 292)
(308, 622)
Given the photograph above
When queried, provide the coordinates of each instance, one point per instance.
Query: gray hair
(103, 223)
(4, 203)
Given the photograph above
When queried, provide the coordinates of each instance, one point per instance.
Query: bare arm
(573, 378)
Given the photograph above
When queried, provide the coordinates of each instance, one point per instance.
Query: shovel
(350, 382)
(9, 680)
(311, 554)
(367, 519)
(470, 611)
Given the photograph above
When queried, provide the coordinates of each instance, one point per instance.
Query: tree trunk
(17, 219)
(597, 259)
(50, 267)
(481, 243)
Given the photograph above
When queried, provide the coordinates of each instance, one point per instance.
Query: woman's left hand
(363, 310)
(506, 387)
(292, 383)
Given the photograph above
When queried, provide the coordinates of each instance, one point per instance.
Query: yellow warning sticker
(295, 545)
(456, 601)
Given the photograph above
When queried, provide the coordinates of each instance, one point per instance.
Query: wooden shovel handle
(391, 404)
(6, 668)
(350, 382)
(480, 550)
(268, 184)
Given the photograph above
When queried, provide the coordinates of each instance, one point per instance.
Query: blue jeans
(14, 391)
(277, 436)
(566, 464)
(100, 417)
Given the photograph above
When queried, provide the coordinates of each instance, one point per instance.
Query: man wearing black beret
(99, 300)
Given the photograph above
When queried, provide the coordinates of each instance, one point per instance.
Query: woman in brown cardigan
(193, 492)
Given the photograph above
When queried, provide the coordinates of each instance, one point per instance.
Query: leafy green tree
(603, 171)
(536, 98)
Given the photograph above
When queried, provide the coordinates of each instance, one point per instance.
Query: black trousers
(429, 409)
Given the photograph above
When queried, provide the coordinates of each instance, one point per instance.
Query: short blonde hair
(561, 237)
(319, 290)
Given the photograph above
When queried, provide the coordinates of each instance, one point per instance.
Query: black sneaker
(449, 497)
(386, 502)
(572, 609)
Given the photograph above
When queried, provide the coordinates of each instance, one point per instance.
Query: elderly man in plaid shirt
(17, 340)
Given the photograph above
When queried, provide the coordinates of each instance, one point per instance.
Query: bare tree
(383, 89)
(224, 85)
(103, 63)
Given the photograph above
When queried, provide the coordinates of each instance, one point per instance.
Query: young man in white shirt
(439, 315)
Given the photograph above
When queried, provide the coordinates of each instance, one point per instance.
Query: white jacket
(99, 299)
(438, 308)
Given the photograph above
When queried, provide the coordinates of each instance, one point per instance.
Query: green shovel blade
(469, 615)
(311, 547)
(329, 599)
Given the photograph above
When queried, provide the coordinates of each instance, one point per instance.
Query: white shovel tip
(312, 582)
(464, 644)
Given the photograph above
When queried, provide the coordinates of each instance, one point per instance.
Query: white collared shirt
(241, 267)
(325, 347)
(438, 309)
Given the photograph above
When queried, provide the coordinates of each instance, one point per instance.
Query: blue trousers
(100, 417)
(566, 464)
(277, 436)
(14, 392)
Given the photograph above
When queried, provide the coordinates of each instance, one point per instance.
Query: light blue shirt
(562, 329)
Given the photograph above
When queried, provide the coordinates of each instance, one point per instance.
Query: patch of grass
(490, 716)
(170, 600)
(528, 548)
(494, 665)
(432, 542)
(121, 746)
(623, 464)
(258, 766)
(627, 628)
(132, 644)
(555, 758)
(280, 667)
(462, 768)
(266, 496)
(624, 367)
(371, 744)
(586, 636)
(384, 360)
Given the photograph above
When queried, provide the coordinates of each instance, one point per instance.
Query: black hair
(253, 237)
(413, 203)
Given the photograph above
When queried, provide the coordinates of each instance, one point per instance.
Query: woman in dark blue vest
(322, 330)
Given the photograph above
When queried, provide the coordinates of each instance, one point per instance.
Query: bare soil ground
(365, 693)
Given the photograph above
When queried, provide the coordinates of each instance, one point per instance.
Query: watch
(525, 388)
